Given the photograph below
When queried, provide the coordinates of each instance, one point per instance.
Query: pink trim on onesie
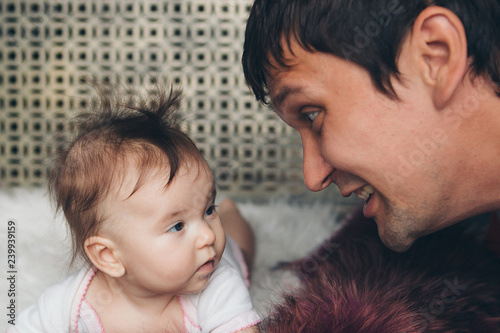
(80, 298)
(95, 314)
(186, 317)
(248, 326)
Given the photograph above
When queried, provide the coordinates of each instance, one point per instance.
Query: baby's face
(169, 240)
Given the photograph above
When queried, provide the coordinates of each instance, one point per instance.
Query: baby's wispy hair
(117, 132)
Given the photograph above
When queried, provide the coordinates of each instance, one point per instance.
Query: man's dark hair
(366, 32)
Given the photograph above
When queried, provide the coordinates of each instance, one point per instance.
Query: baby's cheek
(221, 239)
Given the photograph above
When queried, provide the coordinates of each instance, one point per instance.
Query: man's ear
(102, 253)
(440, 45)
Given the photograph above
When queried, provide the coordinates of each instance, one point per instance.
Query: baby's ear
(102, 252)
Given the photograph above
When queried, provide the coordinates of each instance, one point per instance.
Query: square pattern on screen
(50, 49)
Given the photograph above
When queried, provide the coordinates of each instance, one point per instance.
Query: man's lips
(365, 192)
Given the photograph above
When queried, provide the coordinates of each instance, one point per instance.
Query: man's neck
(479, 135)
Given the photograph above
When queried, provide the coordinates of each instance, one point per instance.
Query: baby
(139, 199)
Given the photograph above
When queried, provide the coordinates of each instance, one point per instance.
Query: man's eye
(310, 116)
(177, 227)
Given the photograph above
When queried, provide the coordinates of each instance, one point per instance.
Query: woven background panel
(49, 50)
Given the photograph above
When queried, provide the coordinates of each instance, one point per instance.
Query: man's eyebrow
(277, 101)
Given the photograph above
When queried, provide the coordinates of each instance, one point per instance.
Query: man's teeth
(365, 192)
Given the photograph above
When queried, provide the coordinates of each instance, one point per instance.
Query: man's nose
(317, 171)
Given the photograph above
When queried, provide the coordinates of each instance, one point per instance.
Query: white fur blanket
(284, 231)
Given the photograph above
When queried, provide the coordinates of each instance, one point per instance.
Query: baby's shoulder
(224, 301)
(52, 311)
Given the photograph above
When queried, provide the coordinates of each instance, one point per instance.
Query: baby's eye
(210, 210)
(177, 227)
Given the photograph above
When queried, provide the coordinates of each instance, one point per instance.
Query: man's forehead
(275, 82)
(282, 94)
(293, 54)
(282, 84)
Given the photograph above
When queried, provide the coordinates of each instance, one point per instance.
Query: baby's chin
(208, 269)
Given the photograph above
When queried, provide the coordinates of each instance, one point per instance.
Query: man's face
(391, 153)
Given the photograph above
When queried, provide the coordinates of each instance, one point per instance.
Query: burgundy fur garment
(446, 282)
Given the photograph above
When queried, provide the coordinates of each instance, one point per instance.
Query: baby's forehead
(137, 184)
(138, 173)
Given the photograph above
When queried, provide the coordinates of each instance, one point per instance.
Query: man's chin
(396, 242)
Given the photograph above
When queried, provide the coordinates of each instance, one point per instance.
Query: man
(395, 101)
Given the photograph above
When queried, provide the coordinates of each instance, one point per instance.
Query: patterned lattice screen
(49, 50)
